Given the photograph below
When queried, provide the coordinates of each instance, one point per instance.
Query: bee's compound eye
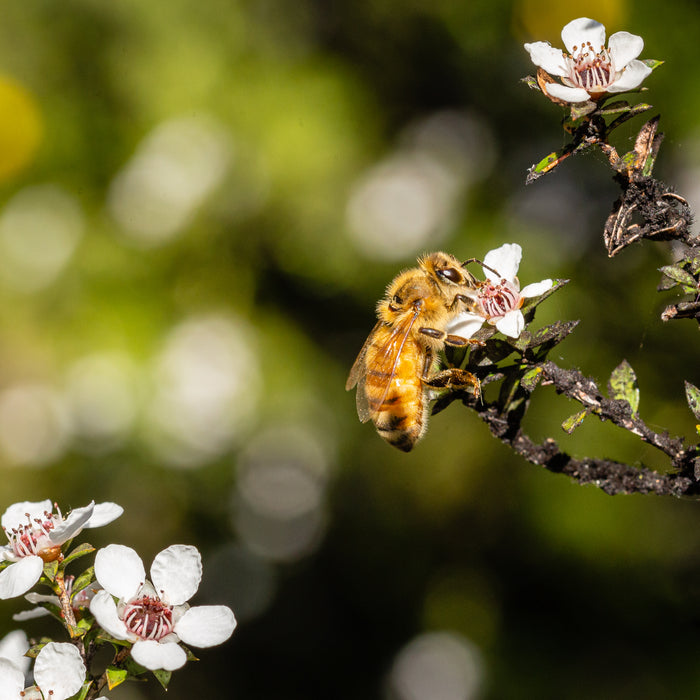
(397, 299)
(451, 275)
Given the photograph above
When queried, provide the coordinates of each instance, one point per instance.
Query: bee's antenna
(486, 267)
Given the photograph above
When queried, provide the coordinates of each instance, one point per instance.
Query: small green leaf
(78, 552)
(531, 82)
(623, 385)
(522, 342)
(551, 335)
(50, 570)
(83, 691)
(692, 394)
(531, 378)
(546, 163)
(573, 422)
(614, 108)
(652, 63)
(493, 352)
(163, 677)
(115, 676)
(679, 275)
(582, 109)
(84, 580)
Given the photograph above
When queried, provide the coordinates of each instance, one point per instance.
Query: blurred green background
(200, 205)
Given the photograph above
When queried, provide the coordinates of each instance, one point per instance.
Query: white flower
(35, 535)
(499, 298)
(155, 616)
(59, 673)
(13, 647)
(590, 70)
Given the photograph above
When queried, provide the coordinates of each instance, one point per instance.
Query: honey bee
(397, 365)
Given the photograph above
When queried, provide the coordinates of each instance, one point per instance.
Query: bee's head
(444, 268)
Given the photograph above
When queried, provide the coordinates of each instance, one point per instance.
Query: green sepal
(692, 394)
(573, 422)
(115, 676)
(79, 551)
(623, 386)
(163, 677)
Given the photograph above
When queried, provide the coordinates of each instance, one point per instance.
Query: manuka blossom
(590, 70)
(35, 535)
(499, 298)
(59, 673)
(155, 616)
(13, 647)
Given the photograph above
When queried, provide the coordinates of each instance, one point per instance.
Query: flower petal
(566, 93)
(505, 260)
(14, 646)
(536, 288)
(153, 656)
(72, 525)
(103, 514)
(631, 77)
(545, 56)
(465, 324)
(103, 607)
(176, 573)
(11, 680)
(206, 625)
(119, 570)
(581, 31)
(16, 514)
(511, 324)
(624, 47)
(31, 614)
(59, 670)
(19, 577)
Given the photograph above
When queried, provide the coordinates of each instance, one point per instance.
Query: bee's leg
(469, 302)
(455, 340)
(455, 379)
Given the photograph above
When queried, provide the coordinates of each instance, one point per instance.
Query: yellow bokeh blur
(20, 127)
(542, 20)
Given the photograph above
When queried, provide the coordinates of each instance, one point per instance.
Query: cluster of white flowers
(153, 616)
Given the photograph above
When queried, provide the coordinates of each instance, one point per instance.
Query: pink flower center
(592, 71)
(149, 618)
(32, 539)
(496, 300)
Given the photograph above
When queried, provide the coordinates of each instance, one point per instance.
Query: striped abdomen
(399, 409)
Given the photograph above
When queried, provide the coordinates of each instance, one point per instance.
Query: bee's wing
(357, 376)
(384, 364)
